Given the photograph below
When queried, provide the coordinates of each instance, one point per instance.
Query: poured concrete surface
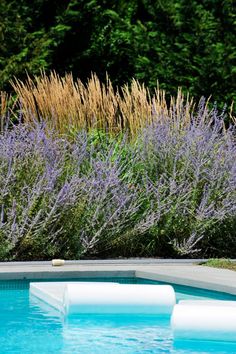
(179, 272)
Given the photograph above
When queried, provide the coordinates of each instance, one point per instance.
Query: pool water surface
(28, 326)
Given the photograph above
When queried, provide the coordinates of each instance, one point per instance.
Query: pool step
(51, 293)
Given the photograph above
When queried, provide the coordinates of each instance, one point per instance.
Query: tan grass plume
(69, 105)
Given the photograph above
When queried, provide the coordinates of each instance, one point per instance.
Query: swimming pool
(26, 327)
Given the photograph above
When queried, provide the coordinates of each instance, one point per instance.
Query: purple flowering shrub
(35, 190)
(169, 192)
(60, 198)
(190, 174)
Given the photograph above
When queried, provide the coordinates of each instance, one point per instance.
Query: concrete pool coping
(180, 272)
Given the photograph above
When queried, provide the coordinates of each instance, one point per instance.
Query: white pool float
(204, 320)
(106, 298)
(119, 299)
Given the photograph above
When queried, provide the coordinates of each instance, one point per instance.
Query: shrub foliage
(185, 43)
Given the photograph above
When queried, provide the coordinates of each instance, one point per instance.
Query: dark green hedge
(188, 43)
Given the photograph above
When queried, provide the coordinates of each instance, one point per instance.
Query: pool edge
(180, 273)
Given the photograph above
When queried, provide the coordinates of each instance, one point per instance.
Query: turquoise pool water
(26, 327)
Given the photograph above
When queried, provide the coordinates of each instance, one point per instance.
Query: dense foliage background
(184, 43)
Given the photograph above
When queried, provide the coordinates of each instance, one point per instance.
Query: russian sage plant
(59, 198)
(190, 174)
(169, 192)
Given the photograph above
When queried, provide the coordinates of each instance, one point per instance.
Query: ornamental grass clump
(68, 105)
